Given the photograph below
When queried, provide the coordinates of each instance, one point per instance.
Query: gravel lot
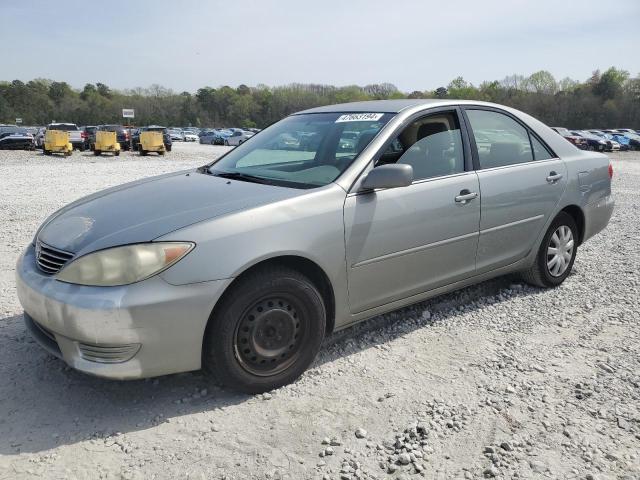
(497, 380)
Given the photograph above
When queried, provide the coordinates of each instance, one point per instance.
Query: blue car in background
(623, 140)
(217, 136)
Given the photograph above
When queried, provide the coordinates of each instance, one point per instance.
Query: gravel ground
(497, 380)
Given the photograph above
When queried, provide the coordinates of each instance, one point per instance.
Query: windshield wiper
(245, 177)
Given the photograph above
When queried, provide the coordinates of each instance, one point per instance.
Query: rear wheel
(117, 153)
(96, 152)
(266, 331)
(143, 152)
(556, 255)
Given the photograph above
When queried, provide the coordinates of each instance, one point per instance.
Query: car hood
(147, 209)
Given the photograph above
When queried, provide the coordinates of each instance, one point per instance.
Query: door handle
(465, 196)
(554, 177)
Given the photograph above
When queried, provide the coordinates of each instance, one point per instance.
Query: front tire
(556, 254)
(266, 331)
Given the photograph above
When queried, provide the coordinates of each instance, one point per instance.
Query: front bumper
(141, 330)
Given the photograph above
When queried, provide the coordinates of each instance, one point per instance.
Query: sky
(415, 45)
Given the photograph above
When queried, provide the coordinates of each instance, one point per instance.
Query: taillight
(83, 134)
(610, 170)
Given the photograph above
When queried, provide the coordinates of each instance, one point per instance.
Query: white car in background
(238, 137)
(190, 137)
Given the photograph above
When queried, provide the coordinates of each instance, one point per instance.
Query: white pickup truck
(75, 134)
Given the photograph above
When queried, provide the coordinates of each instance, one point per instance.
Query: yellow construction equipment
(151, 142)
(57, 141)
(106, 142)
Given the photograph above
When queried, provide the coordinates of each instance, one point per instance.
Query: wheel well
(578, 216)
(309, 269)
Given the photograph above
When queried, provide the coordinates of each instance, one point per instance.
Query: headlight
(124, 265)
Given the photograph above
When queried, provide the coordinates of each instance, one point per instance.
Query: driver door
(405, 241)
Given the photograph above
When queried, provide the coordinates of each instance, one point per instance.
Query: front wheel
(556, 254)
(266, 331)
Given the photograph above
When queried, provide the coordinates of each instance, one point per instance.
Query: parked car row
(607, 140)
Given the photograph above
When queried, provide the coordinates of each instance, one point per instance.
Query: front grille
(51, 260)
(108, 353)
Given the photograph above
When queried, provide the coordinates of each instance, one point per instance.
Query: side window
(540, 152)
(500, 140)
(432, 145)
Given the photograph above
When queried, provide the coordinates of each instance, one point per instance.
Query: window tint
(432, 145)
(540, 152)
(500, 140)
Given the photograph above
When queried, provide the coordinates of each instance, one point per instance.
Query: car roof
(393, 106)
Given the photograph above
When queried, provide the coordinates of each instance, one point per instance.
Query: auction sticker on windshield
(359, 117)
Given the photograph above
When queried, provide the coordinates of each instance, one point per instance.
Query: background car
(176, 134)
(38, 138)
(15, 138)
(238, 137)
(579, 142)
(214, 137)
(190, 136)
(594, 142)
(86, 132)
(623, 140)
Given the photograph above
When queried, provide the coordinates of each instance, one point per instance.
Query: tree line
(606, 99)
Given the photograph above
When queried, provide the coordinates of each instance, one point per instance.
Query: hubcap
(269, 336)
(560, 251)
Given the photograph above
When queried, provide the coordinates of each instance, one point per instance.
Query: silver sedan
(248, 262)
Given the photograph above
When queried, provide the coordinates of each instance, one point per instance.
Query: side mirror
(388, 176)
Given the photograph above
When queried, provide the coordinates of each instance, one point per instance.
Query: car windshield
(302, 151)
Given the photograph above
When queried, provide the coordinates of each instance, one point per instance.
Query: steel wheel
(560, 250)
(269, 336)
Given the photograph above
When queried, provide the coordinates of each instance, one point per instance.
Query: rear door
(521, 181)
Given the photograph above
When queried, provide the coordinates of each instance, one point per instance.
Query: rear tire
(266, 330)
(143, 153)
(96, 152)
(556, 255)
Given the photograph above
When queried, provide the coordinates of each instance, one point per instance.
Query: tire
(168, 148)
(96, 152)
(161, 153)
(117, 153)
(45, 151)
(143, 153)
(266, 330)
(541, 274)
